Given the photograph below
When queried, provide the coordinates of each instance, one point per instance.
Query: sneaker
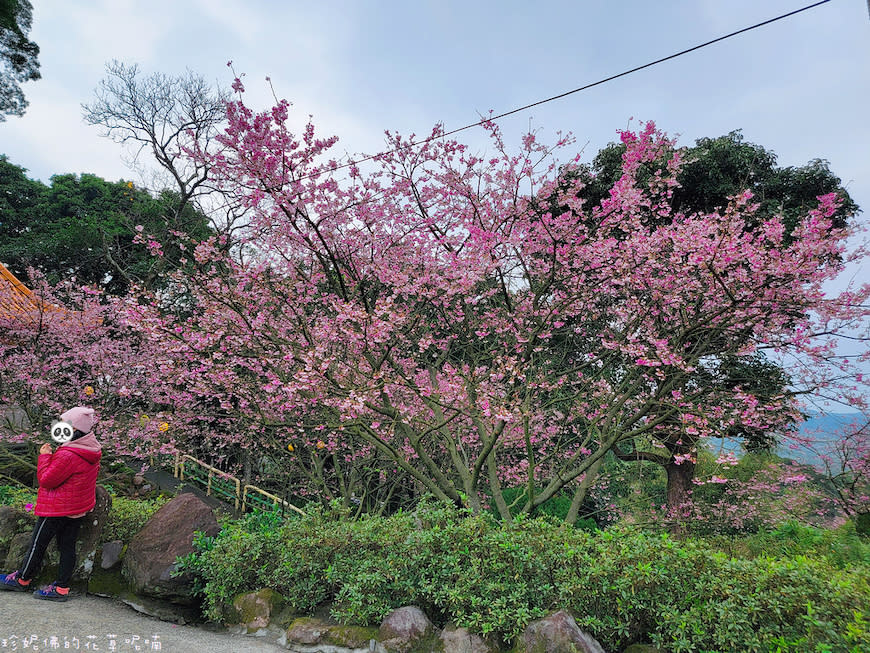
(50, 593)
(12, 582)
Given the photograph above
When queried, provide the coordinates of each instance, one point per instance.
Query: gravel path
(90, 623)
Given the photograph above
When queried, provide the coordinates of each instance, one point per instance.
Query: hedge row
(624, 586)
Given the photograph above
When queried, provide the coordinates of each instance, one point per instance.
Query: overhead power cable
(578, 89)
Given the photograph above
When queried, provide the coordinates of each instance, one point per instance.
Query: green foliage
(799, 590)
(715, 169)
(128, 516)
(557, 507)
(683, 596)
(19, 60)
(85, 226)
(245, 555)
(16, 496)
(493, 579)
(842, 548)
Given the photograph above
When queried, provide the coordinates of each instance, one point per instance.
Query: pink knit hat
(81, 418)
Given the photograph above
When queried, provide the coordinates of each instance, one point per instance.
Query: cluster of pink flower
(431, 315)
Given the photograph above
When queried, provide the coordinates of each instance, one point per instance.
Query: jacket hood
(86, 446)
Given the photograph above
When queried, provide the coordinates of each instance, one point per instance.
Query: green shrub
(683, 596)
(494, 578)
(245, 555)
(128, 516)
(842, 547)
(752, 605)
(17, 496)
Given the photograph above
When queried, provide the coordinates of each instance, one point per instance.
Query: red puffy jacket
(68, 478)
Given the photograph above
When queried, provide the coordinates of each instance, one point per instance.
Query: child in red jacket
(67, 491)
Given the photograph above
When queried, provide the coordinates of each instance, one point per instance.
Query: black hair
(77, 434)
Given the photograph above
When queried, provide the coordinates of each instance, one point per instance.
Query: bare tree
(165, 115)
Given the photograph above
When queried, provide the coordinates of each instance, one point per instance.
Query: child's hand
(46, 448)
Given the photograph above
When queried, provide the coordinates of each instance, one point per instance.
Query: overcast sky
(799, 86)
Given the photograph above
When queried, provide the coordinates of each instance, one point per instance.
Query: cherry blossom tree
(845, 462)
(76, 346)
(431, 312)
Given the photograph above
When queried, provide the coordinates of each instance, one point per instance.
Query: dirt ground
(90, 623)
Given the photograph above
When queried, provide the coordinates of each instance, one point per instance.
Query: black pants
(65, 529)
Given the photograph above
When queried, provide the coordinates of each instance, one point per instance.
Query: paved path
(90, 623)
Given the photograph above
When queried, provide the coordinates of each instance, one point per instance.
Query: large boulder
(404, 628)
(149, 562)
(253, 611)
(558, 633)
(16, 534)
(89, 536)
(13, 522)
(460, 640)
(18, 547)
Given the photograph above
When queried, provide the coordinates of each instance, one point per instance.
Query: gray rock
(404, 627)
(89, 536)
(171, 612)
(254, 610)
(306, 631)
(313, 635)
(149, 562)
(111, 553)
(460, 640)
(12, 523)
(558, 633)
(18, 546)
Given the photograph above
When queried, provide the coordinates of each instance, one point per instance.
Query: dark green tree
(85, 227)
(19, 61)
(19, 196)
(718, 168)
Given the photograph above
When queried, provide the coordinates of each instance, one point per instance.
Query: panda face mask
(62, 432)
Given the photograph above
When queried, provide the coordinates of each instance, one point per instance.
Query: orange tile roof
(19, 303)
(15, 297)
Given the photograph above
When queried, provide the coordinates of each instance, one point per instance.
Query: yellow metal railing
(250, 495)
(216, 482)
(226, 486)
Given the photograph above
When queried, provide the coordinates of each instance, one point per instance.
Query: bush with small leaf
(494, 578)
(128, 516)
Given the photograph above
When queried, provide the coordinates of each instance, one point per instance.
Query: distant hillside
(819, 427)
(826, 424)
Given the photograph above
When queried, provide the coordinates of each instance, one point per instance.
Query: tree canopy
(715, 169)
(710, 173)
(85, 227)
(435, 314)
(19, 61)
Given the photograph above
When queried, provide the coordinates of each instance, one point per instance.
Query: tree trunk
(582, 491)
(679, 490)
(246, 475)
